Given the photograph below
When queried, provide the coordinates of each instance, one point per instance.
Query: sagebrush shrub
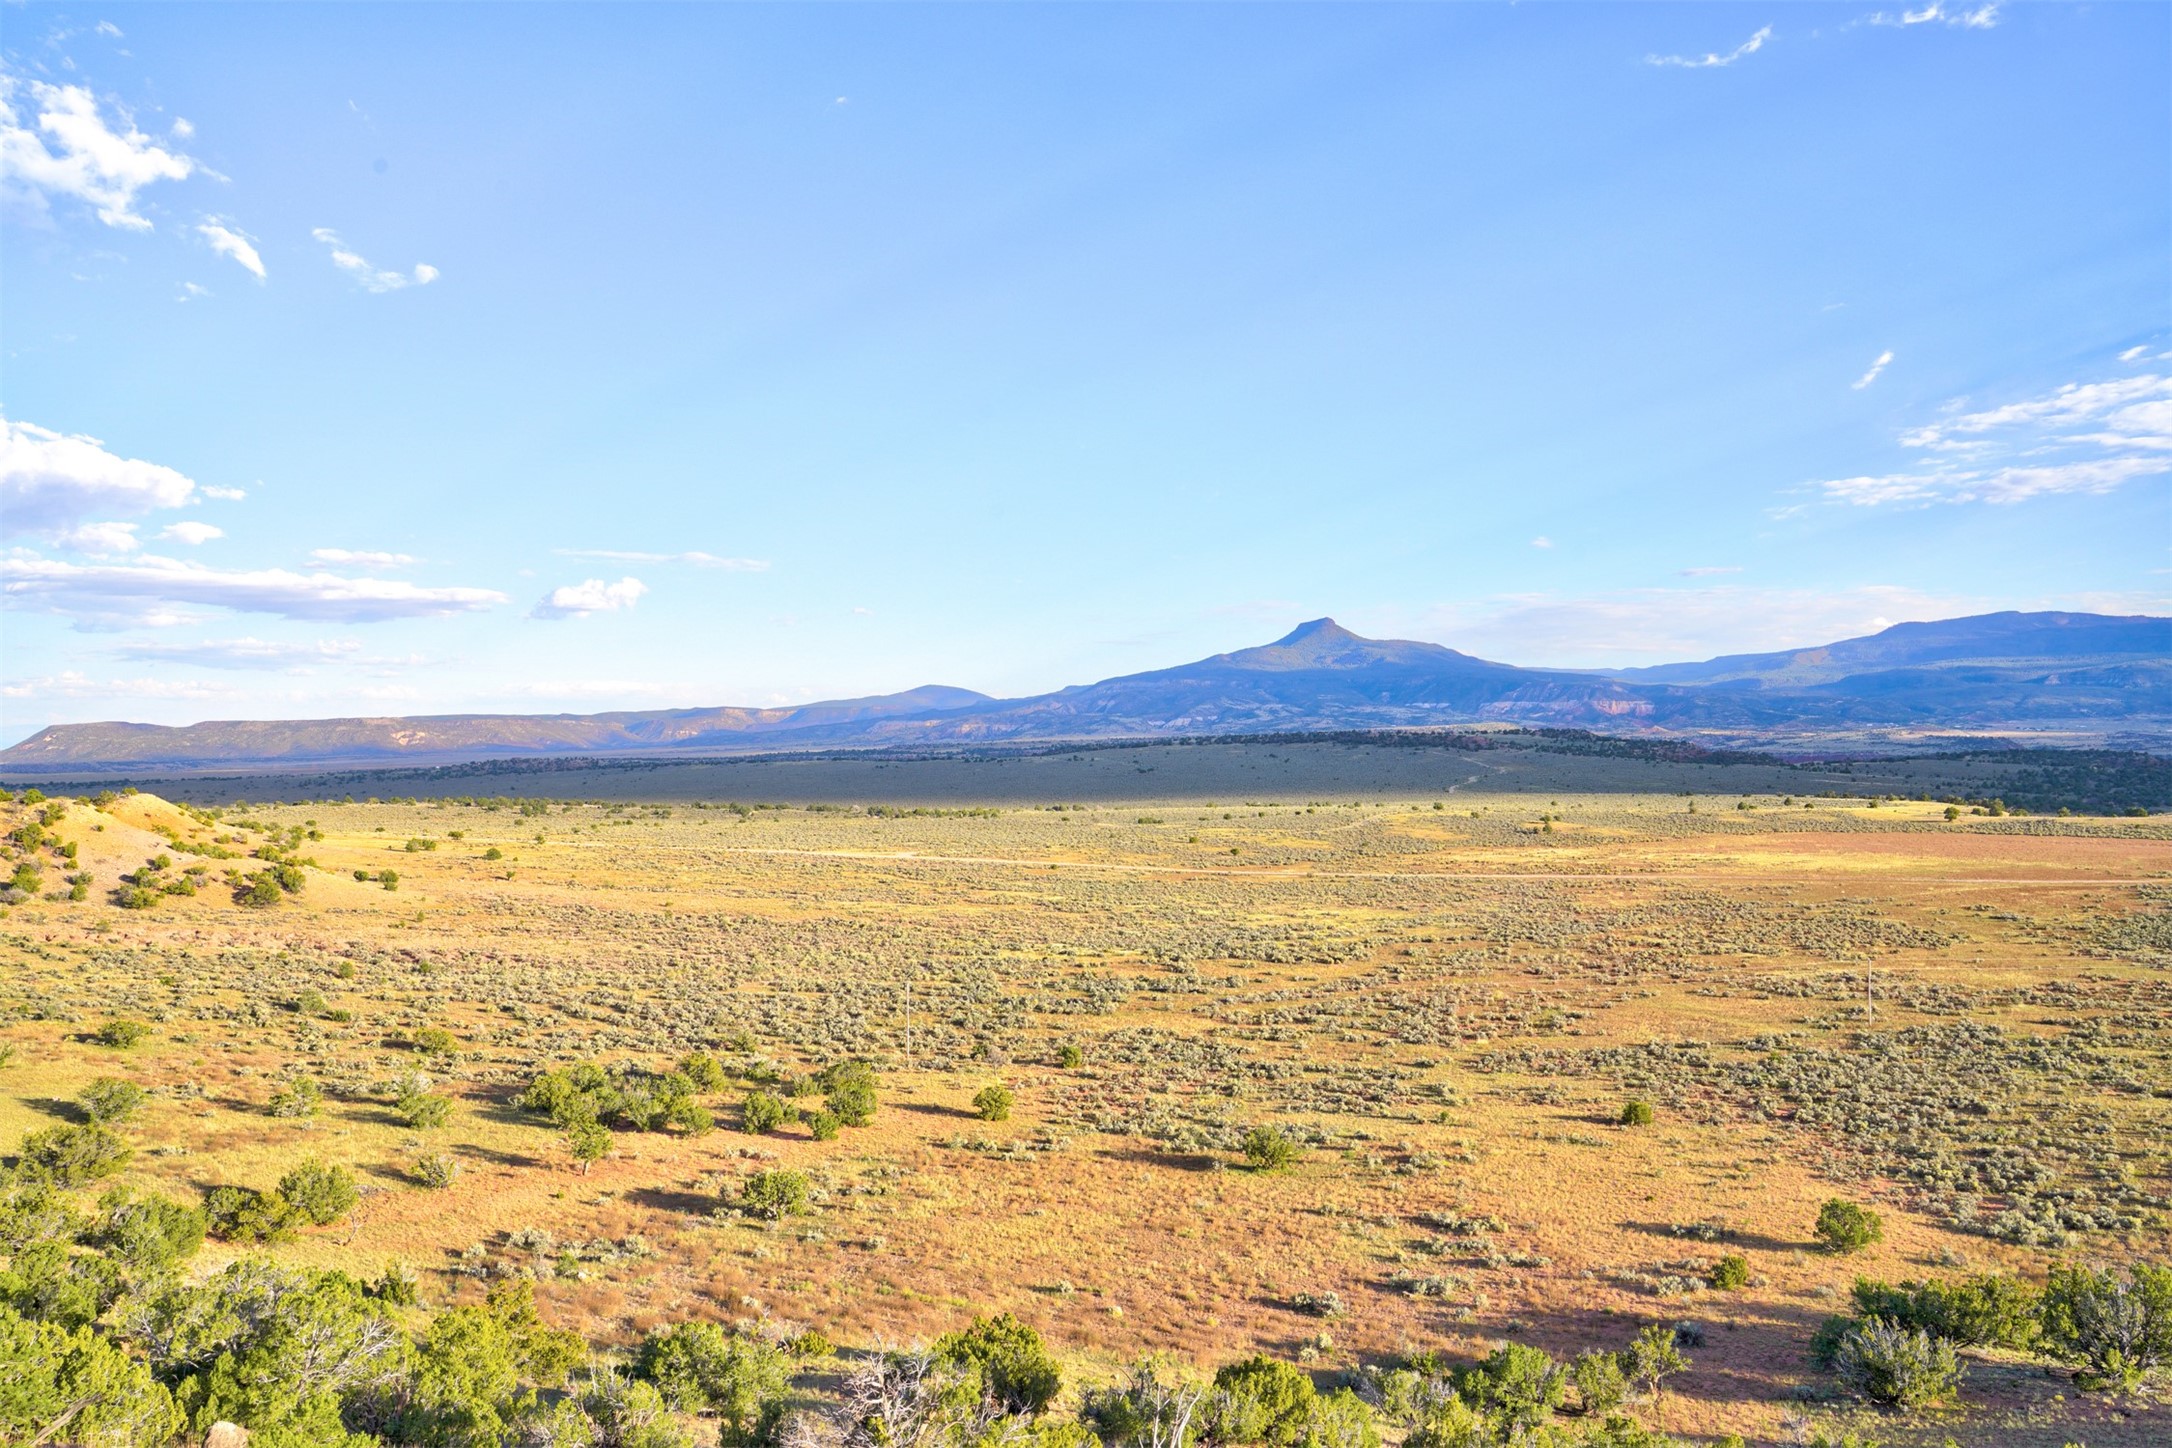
(1896, 1366)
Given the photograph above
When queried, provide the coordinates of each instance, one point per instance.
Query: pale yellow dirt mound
(124, 835)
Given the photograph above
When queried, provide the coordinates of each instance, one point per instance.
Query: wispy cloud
(241, 653)
(51, 481)
(579, 600)
(372, 279)
(1981, 17)
(1542, 541)
(56, 141)
(359, 558)
(192, 533)
(1714, 59)
(109, 592)
(228, 240)
(73, 684)
(2084, 437)
(2133, 354)
(1885, 359)
(698, 560)
(2131, 409)
(1711, 572)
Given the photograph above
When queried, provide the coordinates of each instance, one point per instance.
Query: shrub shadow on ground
(1728, 1240)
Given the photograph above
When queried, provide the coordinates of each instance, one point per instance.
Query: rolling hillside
(1996, 671)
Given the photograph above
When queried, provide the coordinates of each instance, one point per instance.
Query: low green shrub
(1016, 1370)
(110, 1101)
(1842, 1226)
(993, 1103)
(1268, 1148)
(72, 1156)
(761, 1113)
(775, 1194)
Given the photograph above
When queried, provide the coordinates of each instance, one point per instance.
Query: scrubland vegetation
(1529, 1100)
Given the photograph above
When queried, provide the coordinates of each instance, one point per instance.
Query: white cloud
(54, 141)
(107, 592)
(357, 558)
(1709, 572)
(50, 481)
(579, 600)
(108, 29)
(1709, 61)
(2084, 437)
(698, 560)
(70, 684)
(1998, 485)
(225, 495)
(227, 241)
(241, 653)
(182, 129)
(1982, 17)
(193, 534)
(104, 540)
(190, 291)
(2136, 405)
(371, 278)
(1542, 541)
(2132, 354)
(1885, 359)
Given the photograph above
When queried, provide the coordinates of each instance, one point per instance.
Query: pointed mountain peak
(1318, 631)
(1326, 644)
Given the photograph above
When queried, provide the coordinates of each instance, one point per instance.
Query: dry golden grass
(1416, 991)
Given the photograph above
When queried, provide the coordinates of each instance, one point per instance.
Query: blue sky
(408, 359)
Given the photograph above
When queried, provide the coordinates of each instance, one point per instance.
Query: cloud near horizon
(1680, 624)
(74, 684)
(247, 652)
(137, 591)
(579, 600)
(697, 559)
(359, 558)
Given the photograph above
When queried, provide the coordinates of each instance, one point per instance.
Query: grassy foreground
(1429, 1013)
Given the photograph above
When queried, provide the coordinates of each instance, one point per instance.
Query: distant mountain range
(2081, 673)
